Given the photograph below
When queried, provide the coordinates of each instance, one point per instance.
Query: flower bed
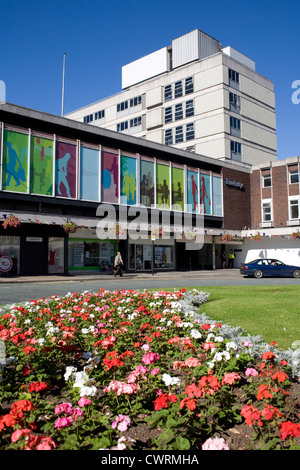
(139, 370)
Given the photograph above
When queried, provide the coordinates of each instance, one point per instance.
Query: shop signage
(34, 239)
(235, 184)
(5, 264)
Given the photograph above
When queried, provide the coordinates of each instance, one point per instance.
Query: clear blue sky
(99, 37)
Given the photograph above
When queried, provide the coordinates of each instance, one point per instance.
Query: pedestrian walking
(118, 265)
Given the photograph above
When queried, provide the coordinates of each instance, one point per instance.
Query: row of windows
(129, 103)
(179, 111)
(294, 211)
(179, 134)
(178, 89)
(93, 117)
(175, 90)
(135, 122)
(267, 178)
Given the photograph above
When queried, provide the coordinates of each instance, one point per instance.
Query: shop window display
(10, 250)
(90, 254)
(56, 255)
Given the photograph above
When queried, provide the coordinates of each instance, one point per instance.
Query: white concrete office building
(194, 95)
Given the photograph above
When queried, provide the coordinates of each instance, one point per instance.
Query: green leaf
(165, 436)
(181, 443)
(269, 445)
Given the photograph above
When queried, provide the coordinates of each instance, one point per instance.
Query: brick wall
(237, 208)
(255, 196)
(280, 196)
(279, 193)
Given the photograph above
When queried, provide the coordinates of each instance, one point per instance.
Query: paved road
(20, 289)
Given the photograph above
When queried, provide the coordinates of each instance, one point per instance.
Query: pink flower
(248, 344)
(46, 444)
(76, 413)
(155, 371)
(150, 357)
(230, 377)
(121, 423)
(192, 362)
(63, 407)
(209, 345)
(215, 444)
(83, 401)
(18, 433)
(63, 422)
(251, 371)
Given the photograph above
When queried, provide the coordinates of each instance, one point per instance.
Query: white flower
(69, 371)
(219, 339)
(231, 345)
(170, 380)
(86, 391)
(195, 333)
(52, 330)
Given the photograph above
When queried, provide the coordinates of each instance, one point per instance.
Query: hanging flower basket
(117, 229)
(157, 232)
(257, 237)
(295, 235)
(70, 227)
(11, 221)
(227, 238)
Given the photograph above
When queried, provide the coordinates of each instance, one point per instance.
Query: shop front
(32, 250)
(145, 255)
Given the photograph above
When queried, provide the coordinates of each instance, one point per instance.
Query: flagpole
(63, 86)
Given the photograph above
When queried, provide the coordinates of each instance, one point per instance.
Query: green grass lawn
(272, 312)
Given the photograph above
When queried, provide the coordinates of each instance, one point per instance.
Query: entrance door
(34, 256)
(140, 257)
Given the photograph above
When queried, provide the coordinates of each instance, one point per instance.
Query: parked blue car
(269, 267)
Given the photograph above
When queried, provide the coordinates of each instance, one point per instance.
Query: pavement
(233, 273)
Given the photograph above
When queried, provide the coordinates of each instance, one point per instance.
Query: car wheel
(296, 273)
(258, 274)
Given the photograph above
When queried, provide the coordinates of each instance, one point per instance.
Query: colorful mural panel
(178, 188)
(192, 191)
(163, 186)
(15, 162)
(128, 180)
(147, 183)
(65, 170)
(205, 193)
(110, 177)
(41, 166)
(89, 174)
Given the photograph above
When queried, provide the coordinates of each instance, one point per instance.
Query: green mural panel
(163, 186)
(128, 180)
(178, 188)
(15, 162)
(41, 166)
